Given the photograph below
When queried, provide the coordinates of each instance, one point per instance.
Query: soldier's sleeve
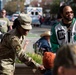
(53, 40)
(12, 42)
(21, 53)
(27, 60)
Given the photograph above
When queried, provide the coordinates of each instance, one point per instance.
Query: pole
(18, 6)
(1, 5)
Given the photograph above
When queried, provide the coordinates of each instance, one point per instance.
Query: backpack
(38, 47)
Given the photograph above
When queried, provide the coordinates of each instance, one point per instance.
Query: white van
(35, 13)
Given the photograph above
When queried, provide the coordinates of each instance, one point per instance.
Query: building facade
(2, 3)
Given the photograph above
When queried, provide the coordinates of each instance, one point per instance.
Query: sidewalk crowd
(57, 45)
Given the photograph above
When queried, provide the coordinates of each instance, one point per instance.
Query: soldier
(12, 45)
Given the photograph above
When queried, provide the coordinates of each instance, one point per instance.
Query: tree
(12, 6)
(55, 6)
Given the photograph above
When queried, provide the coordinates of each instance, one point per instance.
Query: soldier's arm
(27, 60)
(21, 53)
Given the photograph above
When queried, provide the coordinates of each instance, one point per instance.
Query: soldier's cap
(46, 33)
(25, 21)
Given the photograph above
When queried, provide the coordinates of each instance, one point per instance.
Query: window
(32, 13)
(36, 13)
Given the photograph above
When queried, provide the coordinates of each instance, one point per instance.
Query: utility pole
(39, 1)
(27, 4)
(1, 4)
(18, 6)
(62, 2)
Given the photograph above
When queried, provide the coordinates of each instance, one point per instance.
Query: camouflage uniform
(11, 46)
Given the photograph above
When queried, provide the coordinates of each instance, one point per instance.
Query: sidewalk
(29, 47)
(46, 26)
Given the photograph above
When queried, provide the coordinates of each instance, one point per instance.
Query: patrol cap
(25, 21)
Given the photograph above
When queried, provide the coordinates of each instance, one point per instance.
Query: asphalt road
(35, 35)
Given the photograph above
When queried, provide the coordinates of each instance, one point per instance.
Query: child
(48, 60)
(65, 60)
(43, 43)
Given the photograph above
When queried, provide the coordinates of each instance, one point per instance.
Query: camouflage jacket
(10, 47)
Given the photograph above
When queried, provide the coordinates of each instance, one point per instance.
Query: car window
(36, 13)
(15, 15)
(32, 13)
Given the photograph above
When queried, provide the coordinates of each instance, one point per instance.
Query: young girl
(48, 60)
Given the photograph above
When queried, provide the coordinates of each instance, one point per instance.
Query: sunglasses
(69, 12)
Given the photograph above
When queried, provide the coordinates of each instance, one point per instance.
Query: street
(35, 35)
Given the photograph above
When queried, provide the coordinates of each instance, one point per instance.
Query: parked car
(9, 17)
(14, 16)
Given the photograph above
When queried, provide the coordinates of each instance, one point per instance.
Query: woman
(12, 46)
